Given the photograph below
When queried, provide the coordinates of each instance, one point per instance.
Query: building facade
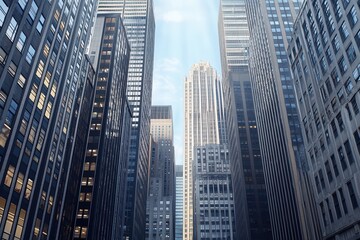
(201, 127)
(139, 22)
(243, 141)
(281, 144)
(42, 68)
(160, 212)
(214, 213)
(324, 57)
(179, 203)
(100, 214)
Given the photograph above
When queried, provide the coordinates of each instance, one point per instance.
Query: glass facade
(243, 141)
(42, 68)
(280, 137)
(139, 22)
(323, 54)
(100, 215)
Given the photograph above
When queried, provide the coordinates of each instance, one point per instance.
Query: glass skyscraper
(139, 22)
(281, 143)
(251, 205)
(42, 68)
(324, 56)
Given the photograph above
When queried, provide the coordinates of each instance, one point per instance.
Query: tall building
(42, 68)
(139, 22)
(161, 194)
(214, 214)
(99, 214)
(324, 56)
(243, 140)
(281, 143)
(201, 127)
(179, 203)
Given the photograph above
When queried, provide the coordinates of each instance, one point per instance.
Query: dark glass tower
(324, 56)
(281, 143)
(100, 210)
(42, 68)
(139, 23)
(251, 204)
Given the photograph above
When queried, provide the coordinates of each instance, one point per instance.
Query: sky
(186, 33)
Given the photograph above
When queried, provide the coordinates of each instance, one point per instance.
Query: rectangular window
(335, 167)
(19, 182)
(343, 201)
(21, 81)
(12, 28)
(9, 175)
(40, 24)
(348, 151)
(342, 65)
(2, 55)
(328, 171)
(336, 44)
(351, 54)
(12, 68)
(352, 195)
(32, 12)
(2, 205)
(30, 54)
(28, 190)
(352, 17)
(336, 205)
(342, 158)
(344, 32)
(20, 44)
(3, 11)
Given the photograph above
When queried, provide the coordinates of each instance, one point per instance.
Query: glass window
(2, 205)
(9, 175)
(22, 39)
(2, 55)
(348, 85)
(342, 65)
(22, 3)
(336, 43)
(12, 68)
(19, 182)
(348, 151)
(32, 12)
(40, 24)
(350, 52)
(3, 10)
(21, 81)
(12, 28)
(352, 17)
(352, 194)
(344, 33)
(30, 54)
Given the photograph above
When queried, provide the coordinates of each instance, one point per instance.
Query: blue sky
(186, 33)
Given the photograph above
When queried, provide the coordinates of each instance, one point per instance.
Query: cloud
(172, 16)
(167, 65)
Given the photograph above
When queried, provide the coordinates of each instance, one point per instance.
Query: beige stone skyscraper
(201, 127)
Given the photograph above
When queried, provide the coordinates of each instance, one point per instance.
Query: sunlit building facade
(281, 143)
(160, 212)
(201, 127)
(44, 74)
(139, 22)
(243, 141)
(324, 56)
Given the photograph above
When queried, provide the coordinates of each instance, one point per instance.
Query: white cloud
(167, 65)
(173, 16)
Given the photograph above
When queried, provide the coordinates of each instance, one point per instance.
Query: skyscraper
(42, 68)
(179, 204)
(324, 56)
(139, 22)
(161, 195)
(99, 214)
(281, 142)
(214, 214)
(251, 205)
(202, 87)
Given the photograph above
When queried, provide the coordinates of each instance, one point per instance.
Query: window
(336, 43)
(12, 28)
(344, 33)
(30, 54)
(22, 3)
(19, 182)
(342, 158)
(10, 220)
(356, 73)
(328, 171)
(9, 175)
(28, 190)
(2, 55)
(342, 65)
(40, 24)
(343, 201)
(335, 77)
(350, 52)
(12, 68)
(33, 92)
(354, 105)
(352, 195)
(20, 44)
(352, 17)
(349, 153)
(40, 69)
(348, 86)
(335, 167)
(21, 81)
(3, 10)
(32, 12)
(336, 205)
(2, 205)
(41, 101)
(340, 122)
